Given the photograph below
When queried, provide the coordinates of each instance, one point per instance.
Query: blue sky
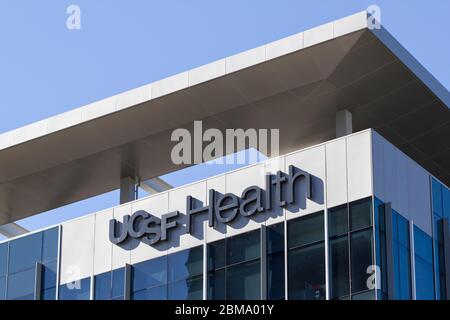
(46, 69)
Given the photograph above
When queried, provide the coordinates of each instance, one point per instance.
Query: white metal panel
(311, 160)
(350, 24)
(207, 72)
(401, 173)
(336, 166)
(98, 108)
(390, 176)
(134, 97)
(378, 165)
(170, 85)
(156, 205)
(102, 245)
(180, 239)
(318, 34)
(284, 46)
(359, 165)
(77, 249)
(245, 59)
(419, 203)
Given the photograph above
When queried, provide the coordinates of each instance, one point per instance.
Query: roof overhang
(296, 84)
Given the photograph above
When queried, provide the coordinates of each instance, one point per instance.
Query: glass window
(338, 221)
(216, 285)
(307, 272)
(102, 286)
(149, 274)
(306, 230)
(3, 258)
(50, 244)
(244, 281)
(243, 247)
(48, 294)
(186, 263)
(2, 288)
(77, 290)
(361, 214)
(423, 265)
(217, 255)
(446, 202)
(340, 277)
(118, 284)
(368, 295)
(21, 285)
(381, 246)
(361, 259)
(436, 190)
(155, 293)
(401, 256)
(25, 252)
(186, 289)
(49, 275)
(275, 262)
(239, 271)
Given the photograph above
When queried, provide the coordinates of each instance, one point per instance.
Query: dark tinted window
(21, 285)
(149, 274)
(338, 220)
(185, 264)
(25, 252)
(244, 281)
(361, 259)
(186, 289)
(305, 230)
(50, 245)
(361, 214)
(307, 272)
(3, 258)
(243, 247)
(340, 277)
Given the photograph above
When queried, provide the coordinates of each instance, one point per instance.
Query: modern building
(356, 206)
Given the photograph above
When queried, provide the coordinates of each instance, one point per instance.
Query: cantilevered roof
(296, 84)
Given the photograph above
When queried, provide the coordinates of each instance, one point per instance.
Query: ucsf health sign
(279, 192)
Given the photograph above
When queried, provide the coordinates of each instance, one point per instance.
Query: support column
(446, 234)
(263, 253)
(127, 190)
(344, 123)
(38, 281)
(389, 253)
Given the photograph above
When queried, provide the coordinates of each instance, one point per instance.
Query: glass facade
(350, 235)
(234, 267)
(24, 259)
(306, 258)
(291, 263)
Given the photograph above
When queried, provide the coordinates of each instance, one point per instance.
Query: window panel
(149, 274)
(305, 230)
(49, 275)
(118, 283)
(361, 259)
(155, 293)
(185, 264)
(338, 221)
(216, 285)
(217, 255)
(3, 258)
(244, 281)
(21, 285)
(446, 202)
(50, 244)
(102, 286)
(361, 214)
(2, 288)
(186, 289)
(25, 252)
(423, 265)
(340, 277)
(275, 238)
(48, 294)
(243, 247)
(275, 276)
(436, 190)
(78, 290)
(307, 272)
(368, 295)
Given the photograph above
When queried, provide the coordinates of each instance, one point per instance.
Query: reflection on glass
(244, 281)
(186, 289)
(423, 250)
(306, 230)
(361, 259)
(361, 214)
(77, 290)
(275, 262)
(340, 277)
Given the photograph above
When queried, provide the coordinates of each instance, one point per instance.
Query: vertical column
(389, 253)
(127, 286)
(38, 281)
(446, 234)
(327, 258)
(92, 287)
(413, 260)
(344, 123)
(286, 252)
(205, 267)
(127, 190)
(263, 253)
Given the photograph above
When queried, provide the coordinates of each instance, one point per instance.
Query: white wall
(402, 182)
(340, 170)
